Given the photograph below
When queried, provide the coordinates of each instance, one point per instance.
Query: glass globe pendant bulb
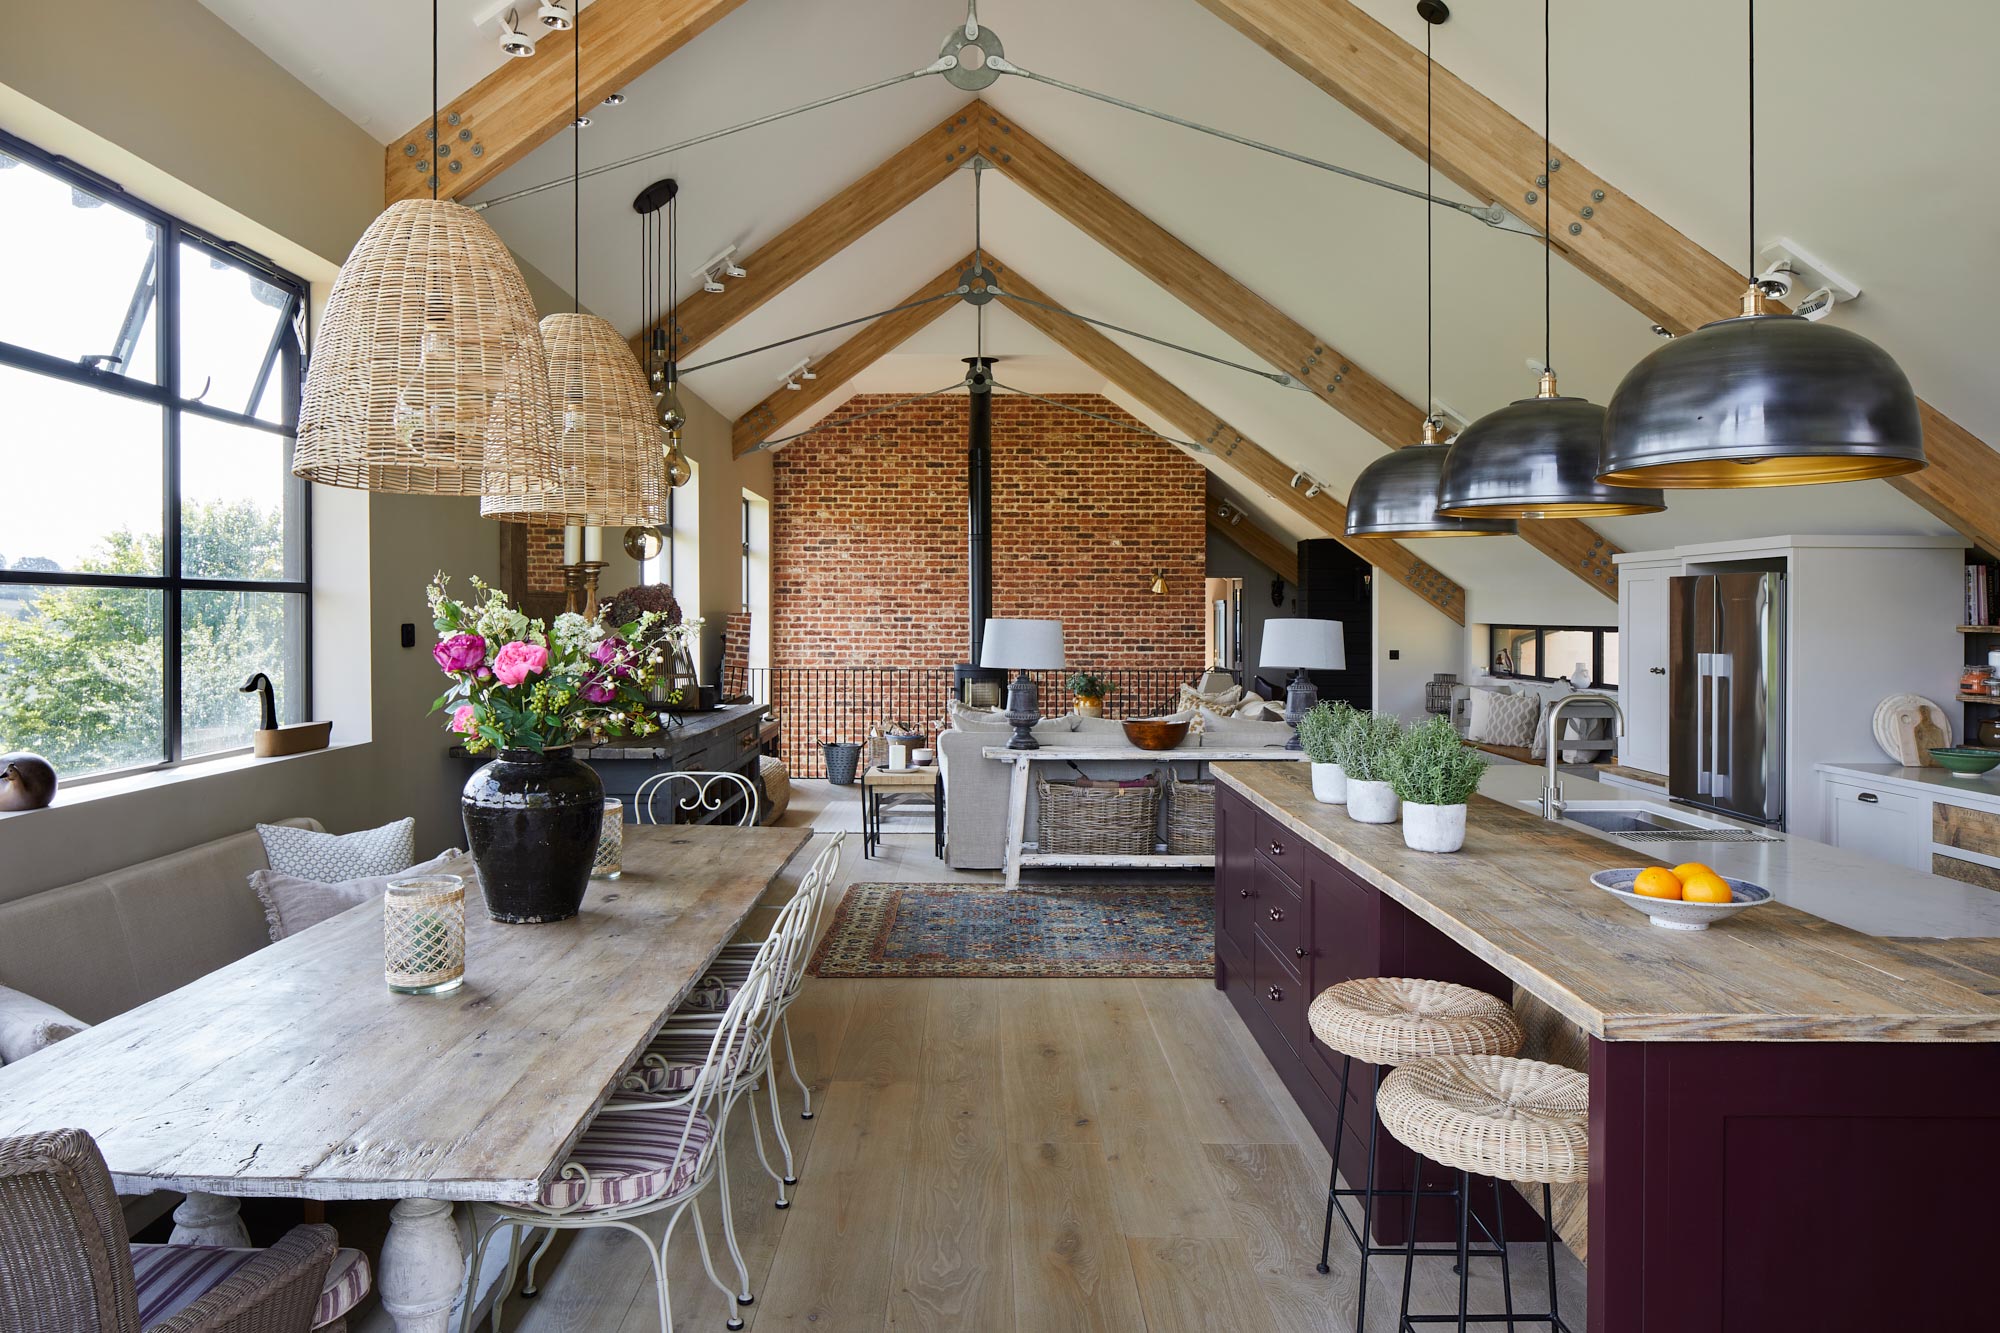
(1536, 458)
(679, 471)
(672, 415)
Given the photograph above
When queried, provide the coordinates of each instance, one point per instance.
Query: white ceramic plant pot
(1329, 784)
(1433, 828)
(1372, 802)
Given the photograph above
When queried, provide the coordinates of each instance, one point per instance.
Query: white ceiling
(1876, 155)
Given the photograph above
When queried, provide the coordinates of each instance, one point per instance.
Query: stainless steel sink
(1638, 821)
(1629, 821)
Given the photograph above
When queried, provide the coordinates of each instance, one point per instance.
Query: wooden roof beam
(1326, 512)
(1622, 245)
(1256, 541)
(520, 106)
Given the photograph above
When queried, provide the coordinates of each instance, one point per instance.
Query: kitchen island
(1792, 1113)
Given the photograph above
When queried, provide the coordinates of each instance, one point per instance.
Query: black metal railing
(816, 704)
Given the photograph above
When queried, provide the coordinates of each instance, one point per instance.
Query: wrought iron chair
(65, 1261)
(707, 794)
(638, 1158)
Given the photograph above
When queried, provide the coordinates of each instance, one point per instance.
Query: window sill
(85, 793)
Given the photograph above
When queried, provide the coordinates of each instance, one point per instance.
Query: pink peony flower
(598, 690)
(515, 662)
(615, 653)
(460, 653)
(463, 719)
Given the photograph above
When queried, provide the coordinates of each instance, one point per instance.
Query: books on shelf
(1982, 595)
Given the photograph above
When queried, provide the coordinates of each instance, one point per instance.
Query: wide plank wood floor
(1041, 1156)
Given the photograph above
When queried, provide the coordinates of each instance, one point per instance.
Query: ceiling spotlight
(514, 44)
(557, 15)
(793, 384)
(583, 122)
(616, 99)
(733, 270)
(1312, 490)
(1297, 477)
(806, 373)
(1235, 518)
(711, 283)
(802, 371)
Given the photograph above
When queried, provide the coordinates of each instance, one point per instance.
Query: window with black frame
(153, 541)
(1554, 652)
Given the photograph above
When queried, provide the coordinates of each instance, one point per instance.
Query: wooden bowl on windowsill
(1154, 733)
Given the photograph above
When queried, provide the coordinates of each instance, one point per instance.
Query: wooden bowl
(1153, 733)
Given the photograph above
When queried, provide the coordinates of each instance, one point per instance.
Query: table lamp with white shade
(1303, 645)
(1024, 646)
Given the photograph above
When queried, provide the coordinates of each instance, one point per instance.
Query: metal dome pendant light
(1397, 494)
(1761, 399)
(428, 371)
(1537, 457)
(609, 472)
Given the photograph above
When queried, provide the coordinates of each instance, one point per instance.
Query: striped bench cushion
(718, 986)
(632, 1157)
(172, 1277)
(680, 1055)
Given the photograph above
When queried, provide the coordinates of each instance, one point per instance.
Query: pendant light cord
(436, 166)
(1430, 333)
(1548, 174)
(1751, 53)
(576, 164)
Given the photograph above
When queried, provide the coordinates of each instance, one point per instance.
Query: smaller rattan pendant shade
(428, 370)
(610, 472)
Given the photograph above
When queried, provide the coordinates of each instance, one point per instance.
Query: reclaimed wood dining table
(295, 1072)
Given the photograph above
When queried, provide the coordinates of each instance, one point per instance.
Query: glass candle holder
(423, 934)
(609, 862)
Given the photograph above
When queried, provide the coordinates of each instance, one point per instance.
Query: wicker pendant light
(428, 370)
(1537, 457)
(1397, 494)
(1761, 399)
(608, 469)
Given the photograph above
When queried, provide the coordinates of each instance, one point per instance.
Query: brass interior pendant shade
(1536, 458)
(1397, 496)
(609, 472)
(1762, 400)
(428, 370)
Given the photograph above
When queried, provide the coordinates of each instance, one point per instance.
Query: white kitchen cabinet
(1642, 663)
(1875, 821)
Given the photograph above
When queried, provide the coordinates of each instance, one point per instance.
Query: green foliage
(1322, 729)
(1432, 766)
(1086, 686)
(1364, 748)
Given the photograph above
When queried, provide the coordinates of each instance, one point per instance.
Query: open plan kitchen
(999, 666)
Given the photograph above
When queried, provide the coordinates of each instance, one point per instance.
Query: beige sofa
(975, 806)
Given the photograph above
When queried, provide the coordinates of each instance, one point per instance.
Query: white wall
(1227, 560)
(1424, 642)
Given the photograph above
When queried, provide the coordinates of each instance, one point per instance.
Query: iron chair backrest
(707, 794)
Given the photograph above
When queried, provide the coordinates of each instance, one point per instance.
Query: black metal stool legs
(1464, 1253)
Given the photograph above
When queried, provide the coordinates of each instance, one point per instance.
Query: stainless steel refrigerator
(1726, 694)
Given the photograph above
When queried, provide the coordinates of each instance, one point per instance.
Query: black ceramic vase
(531, 821)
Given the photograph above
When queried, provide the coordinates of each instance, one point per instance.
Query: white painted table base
(1017, 801)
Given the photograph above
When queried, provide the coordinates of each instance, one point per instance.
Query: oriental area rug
(956, 930)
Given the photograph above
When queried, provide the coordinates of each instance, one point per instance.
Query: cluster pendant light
(609, 469)
(428, 375)
(1397, 494)
(1537, 457)
(658, 207)
(1761, 399)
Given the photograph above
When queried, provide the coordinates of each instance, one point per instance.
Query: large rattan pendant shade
(610, 472)
(428, 375)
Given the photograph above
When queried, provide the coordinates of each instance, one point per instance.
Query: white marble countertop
(1846, 887)
(1982, 790)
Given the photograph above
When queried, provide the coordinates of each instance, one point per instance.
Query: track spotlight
(583, 122)
(1297, 477)
(514, 44)
(616, 99)
(556, 15)
(731, 269)
(793, 384)
(1312, 490)
(711, 283)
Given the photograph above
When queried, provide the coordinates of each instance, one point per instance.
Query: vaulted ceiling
(1873, 155)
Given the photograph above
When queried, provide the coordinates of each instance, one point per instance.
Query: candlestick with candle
(572, 544)
(593, 545)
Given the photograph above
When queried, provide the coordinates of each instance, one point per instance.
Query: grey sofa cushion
(28, 1024)
(333, 857)
(291, 904)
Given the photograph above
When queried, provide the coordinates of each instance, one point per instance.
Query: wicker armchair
(66, 1265)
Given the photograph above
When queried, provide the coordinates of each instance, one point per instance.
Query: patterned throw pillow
(1220, 702)
(292, 903)
(331, 858)
(1510, 719)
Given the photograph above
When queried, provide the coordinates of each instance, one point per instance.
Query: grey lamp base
(1300, 697)
(1023, 710)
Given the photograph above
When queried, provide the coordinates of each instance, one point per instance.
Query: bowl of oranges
(1688, 897)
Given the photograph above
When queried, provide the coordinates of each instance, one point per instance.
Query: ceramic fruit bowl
(1672, 913)
(1964, 761)
(1155, 733)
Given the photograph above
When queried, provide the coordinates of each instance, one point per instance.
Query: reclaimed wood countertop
(1519, 897)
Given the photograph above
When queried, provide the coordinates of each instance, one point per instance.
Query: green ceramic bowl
(1964, 761)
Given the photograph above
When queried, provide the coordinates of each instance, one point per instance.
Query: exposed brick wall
(868, 536)
(545, 562)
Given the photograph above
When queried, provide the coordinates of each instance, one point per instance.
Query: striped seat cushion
(172, 1277)
(680, 1055)
(718, 985)
(632, 1157)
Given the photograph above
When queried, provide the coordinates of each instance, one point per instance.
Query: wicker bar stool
(1393, 1021)
(1508, 1119)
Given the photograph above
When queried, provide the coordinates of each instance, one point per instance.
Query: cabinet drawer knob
(1277, 914)
(1869, 798)
(1274, 995)
(1658, 671)
(1277, 848)
(1243, 893)
(1298, 953)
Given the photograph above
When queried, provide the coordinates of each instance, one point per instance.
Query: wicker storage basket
(1097, 821)
(1191, 818)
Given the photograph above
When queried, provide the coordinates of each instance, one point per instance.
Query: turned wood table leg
(209, 1219)
(1017, 821)
(423, 1266)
